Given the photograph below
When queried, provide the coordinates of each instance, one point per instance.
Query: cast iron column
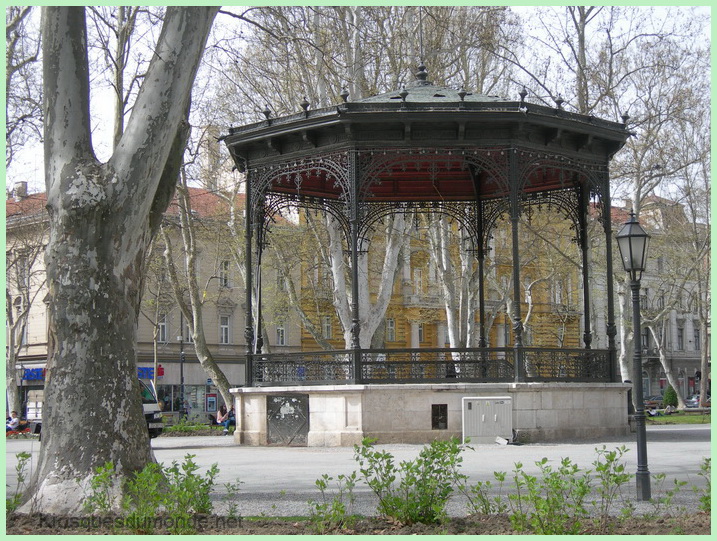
(611, 329)
(482, 342)
(583, 233)
(260, 241)
(249, 327)
(354, 209)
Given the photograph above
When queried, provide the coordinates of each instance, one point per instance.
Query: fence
(440, 365)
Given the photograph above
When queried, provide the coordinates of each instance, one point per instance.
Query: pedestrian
(12, 423)
(229, 420)
(222, 414)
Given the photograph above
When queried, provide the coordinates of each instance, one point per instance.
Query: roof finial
(422, 74)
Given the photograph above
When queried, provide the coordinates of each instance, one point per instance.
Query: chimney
(20, 190)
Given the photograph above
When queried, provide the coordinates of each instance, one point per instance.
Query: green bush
(12, 503)
(143, 498)
(178, 490)
(705, 494)
(334, 512)
(417, 490)
(101, 498)
(670, 397)
(552, 504)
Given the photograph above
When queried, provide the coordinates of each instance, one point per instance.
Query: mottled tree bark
(102, 219)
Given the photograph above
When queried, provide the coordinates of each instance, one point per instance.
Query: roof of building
(205, 203)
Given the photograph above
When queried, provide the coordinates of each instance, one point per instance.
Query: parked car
(693, 401)
(653, 402)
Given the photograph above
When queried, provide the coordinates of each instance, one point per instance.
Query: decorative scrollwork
(291, 174)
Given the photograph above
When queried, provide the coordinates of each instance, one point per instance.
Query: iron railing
(439, 365)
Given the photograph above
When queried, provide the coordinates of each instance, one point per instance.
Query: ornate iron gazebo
(430, 148)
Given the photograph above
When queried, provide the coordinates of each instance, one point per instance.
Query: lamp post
(633, 242)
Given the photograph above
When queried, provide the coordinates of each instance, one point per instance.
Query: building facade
(165, 348)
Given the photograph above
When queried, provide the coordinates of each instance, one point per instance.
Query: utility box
(486, 418)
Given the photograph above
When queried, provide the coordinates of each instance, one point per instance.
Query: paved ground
(280, 481)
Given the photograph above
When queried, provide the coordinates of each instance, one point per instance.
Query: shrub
(142, 498)
(178, 489)
(670, 397)
(101, 498)
(705, 494)
(14, 501)
(611, 475)
(552, 504)
(418, 490)
(334, 512)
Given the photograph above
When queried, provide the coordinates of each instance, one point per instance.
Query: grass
(680, 418)
(191, 427)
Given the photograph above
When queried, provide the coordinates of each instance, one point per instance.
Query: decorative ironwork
(463, 212)
(306, 368)
(546, 364)
(439, 365)
(276, 203)
(291, 174)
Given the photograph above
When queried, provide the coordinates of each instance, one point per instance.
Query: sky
(28, 165)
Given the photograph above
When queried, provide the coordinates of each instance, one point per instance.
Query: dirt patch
(691, 524)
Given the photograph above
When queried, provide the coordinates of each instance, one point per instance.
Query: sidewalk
(279, 481)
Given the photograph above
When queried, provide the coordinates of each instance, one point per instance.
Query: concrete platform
(342, 415)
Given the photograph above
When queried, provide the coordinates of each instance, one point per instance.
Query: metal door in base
(287, 419)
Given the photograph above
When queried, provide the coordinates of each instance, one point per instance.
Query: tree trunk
(625, 339)
(102, 219)
(196, 321)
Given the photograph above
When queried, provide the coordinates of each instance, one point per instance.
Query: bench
(702, 411)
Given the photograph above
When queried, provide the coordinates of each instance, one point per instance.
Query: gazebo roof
(424, 92)
(423, 118)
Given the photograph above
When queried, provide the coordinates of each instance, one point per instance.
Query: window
(162, 328)
(326, 330)
(187, 331)
(224, 273)
(697, 336)
(557, 291)
(224, 328)
(22, 272)
(19, 309)
(421, 334)
(645, 338)
(417, 281)
(439, 416)
(390, 330)
(680, 339)
(280, 334)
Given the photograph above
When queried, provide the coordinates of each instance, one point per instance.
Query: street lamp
(633, 242)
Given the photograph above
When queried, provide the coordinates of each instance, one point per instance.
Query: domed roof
(425, 92)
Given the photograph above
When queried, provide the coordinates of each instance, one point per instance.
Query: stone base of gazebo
(342, 415)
